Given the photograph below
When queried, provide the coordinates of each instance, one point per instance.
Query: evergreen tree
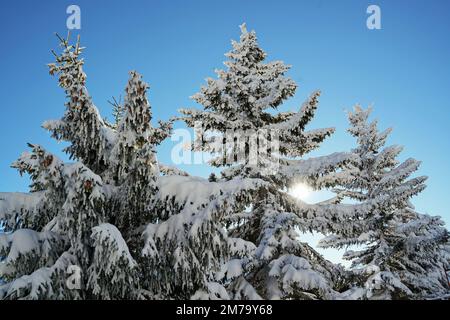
(238, 127)
(133, 161)
(65, 220)
(400, 256)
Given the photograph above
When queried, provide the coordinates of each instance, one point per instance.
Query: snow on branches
(116, 224)
(401, 255)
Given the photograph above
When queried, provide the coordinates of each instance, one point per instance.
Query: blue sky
(403, 69)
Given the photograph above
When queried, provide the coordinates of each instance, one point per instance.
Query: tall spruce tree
(238, 127)
(63, 225)
(401, 255)
(133, 163)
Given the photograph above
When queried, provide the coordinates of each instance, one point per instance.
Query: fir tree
(401, 256)
(133, 161)
(65, 220)
(236, 114)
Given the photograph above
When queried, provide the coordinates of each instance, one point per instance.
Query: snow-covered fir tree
(64, 221)
(133, 164)
(400, 253)
(239, 129)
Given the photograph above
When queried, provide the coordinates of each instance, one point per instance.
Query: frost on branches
(115, 223)
(401, 250)
(66, 218)
(260, 145)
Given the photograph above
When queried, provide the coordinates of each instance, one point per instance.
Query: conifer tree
(400, 256)
(133, 161)
(236, 114)
(64, 223)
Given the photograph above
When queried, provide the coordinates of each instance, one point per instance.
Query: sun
(300, 190)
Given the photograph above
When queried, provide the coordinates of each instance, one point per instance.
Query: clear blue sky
(402, 69)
